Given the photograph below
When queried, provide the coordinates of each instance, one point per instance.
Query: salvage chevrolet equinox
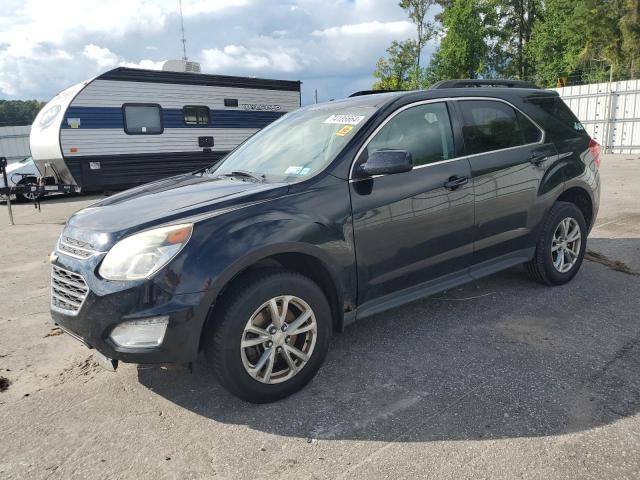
(333, 213)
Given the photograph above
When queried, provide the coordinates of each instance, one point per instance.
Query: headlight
(143, 254)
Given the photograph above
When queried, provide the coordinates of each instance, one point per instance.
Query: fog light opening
(145, 333)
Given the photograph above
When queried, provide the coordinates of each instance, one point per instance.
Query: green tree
(630, 26)
(515, 21)
(19, 112)
(583, 40)
(417, 11)
(463, 51)
(554, 48)
(397, 71)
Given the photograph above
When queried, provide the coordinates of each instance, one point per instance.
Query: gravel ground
(502, 378)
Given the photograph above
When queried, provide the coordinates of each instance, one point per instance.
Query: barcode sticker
(344, 119)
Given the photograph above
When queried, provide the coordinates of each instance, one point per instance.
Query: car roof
(379, 100)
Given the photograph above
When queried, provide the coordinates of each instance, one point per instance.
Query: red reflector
(594, 148)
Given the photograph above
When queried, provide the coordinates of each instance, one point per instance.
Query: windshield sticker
(344, 130)
(295, 170)
(344, 119)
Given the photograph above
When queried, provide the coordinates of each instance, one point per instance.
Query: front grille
(68, 291)
(75, 248)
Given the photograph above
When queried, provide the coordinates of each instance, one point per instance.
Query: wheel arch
(300, 258)
(581, 198)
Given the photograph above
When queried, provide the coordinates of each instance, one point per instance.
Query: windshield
(296, 146)
(25, 160)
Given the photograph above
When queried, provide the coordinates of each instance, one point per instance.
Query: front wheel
(269, 336)
(561, 245)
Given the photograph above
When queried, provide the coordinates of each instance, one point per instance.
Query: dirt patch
(54, 332)
(616, 265)
(4, 383)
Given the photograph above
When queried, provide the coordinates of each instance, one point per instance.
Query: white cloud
(146, 64)
(242, 58)
(102, 56)
(197, 7)
(400, 28)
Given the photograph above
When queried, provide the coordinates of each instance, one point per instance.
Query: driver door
(413, 230)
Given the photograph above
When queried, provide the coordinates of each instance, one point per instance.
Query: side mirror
(386, 162)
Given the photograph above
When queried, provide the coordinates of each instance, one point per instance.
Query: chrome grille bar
(68, 291)
(76, 248)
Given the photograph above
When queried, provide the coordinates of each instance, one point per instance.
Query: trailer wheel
(28, 196)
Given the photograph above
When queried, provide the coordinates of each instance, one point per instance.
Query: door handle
(455, 182)
(537, 158)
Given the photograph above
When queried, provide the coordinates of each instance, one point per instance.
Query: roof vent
(181, 66)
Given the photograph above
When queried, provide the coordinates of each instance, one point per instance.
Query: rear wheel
(269, 336)
(561, 245)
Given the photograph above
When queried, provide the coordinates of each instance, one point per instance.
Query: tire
(546, 266)
(29, 197)
(249, 302)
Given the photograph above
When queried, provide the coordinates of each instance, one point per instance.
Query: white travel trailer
(131, 126)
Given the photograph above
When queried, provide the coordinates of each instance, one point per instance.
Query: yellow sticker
(344, 130)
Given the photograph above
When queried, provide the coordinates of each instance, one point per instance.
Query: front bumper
(108, 304)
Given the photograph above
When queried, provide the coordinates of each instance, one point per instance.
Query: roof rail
(471, 83)
(370, 92)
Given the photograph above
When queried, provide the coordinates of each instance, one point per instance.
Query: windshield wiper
(260, 177)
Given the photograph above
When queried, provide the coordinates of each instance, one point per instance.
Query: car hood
(168, 201)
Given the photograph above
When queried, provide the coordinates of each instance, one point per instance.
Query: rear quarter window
(556, 118)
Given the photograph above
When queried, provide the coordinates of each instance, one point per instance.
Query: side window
(557, 119)
(423, 130)
(490, 125)
(142, 119)
(196, 115)
(530, 132)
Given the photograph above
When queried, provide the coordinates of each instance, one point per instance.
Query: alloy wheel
(278, 340)
(565, 246)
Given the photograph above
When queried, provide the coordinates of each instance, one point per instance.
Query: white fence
(609, 111)
(14, 143)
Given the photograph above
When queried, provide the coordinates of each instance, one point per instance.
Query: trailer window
(142, 119)
(196, 115)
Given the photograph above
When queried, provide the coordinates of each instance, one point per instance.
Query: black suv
(331, 214)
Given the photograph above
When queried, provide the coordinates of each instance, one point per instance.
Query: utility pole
(184, 40)
(316, 95)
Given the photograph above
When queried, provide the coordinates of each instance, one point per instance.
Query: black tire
(22, 198)
(541, 268)
(226, 326)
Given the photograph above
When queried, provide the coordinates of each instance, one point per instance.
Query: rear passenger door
(508, 156)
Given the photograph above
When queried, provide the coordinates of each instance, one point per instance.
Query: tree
(397, 71)
(515, 21)
(19, 112)
(463, 51)
(553, 48)
(583, 40)
(630, 26)
(417, 11)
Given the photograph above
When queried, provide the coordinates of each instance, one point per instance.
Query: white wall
(609, 112)
(14, 143)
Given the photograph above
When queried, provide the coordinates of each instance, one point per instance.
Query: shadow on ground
(502, 357)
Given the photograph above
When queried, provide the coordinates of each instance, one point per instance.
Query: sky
(330, 45)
